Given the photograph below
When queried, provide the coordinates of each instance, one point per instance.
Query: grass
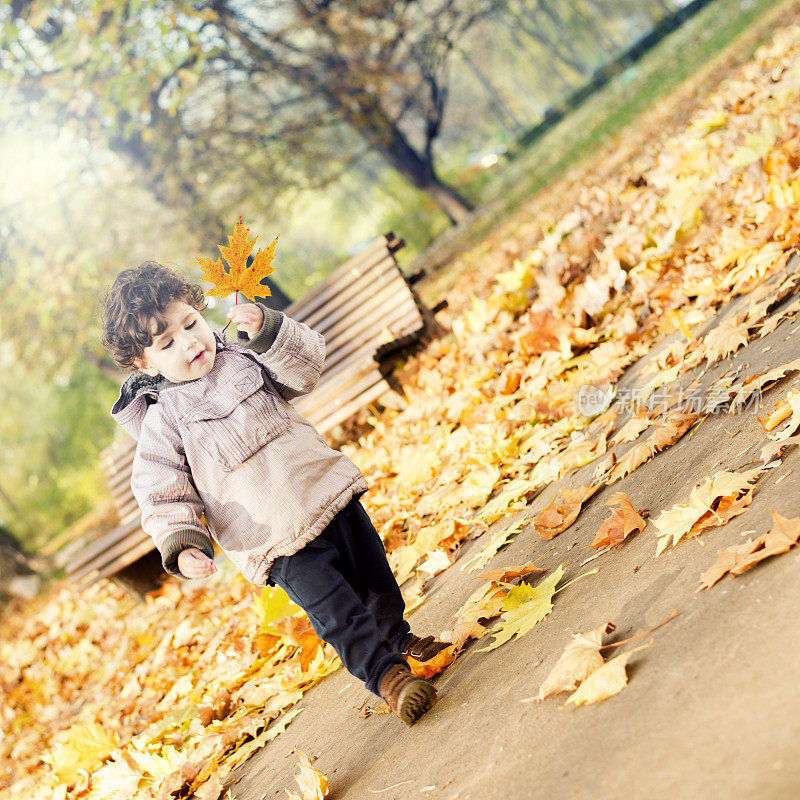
(700, 53)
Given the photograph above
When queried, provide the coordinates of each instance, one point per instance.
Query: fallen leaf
(726, 338)
(727, 560)
(605, 682)
(771, 451)
(523, 607)
(783, 535)
(757, 383)
(313, 783)
(442, 660)
(623, 521)
(557, 517)
(580, 658)
(632, 429)
(715, 502)
(79, 748)
(665, 435)
(485, 603)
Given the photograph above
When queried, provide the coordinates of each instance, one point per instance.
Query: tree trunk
(419, 171)
(449, 200)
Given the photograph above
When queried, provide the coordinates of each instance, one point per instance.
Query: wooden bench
(366, 310)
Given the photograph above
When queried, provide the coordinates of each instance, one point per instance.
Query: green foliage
(51, 436)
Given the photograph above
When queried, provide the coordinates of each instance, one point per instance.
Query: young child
(216, 435)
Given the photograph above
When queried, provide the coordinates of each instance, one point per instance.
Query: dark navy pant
(342, 580)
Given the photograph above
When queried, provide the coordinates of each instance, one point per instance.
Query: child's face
(185, 350)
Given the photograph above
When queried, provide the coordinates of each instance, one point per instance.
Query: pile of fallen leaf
(104, 698)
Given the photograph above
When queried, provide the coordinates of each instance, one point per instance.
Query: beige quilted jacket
(230, 445)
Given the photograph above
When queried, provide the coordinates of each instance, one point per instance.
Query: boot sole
(415, 699)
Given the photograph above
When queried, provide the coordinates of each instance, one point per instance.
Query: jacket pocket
(237, 423)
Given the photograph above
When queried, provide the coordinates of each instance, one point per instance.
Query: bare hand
(248, 318)
(194, 563)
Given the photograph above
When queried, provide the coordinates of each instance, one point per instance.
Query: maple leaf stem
(236, 303)
(569, 583)
(639, 635)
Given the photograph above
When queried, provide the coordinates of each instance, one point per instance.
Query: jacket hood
(140, 391)
(135, 395)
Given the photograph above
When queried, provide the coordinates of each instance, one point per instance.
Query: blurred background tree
(142, 129)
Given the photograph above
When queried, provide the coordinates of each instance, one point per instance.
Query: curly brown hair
(137, 297)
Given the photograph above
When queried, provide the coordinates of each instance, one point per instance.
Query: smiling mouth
(198, 357)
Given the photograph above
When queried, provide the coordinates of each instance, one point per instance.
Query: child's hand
(248, 318)
(194, 563)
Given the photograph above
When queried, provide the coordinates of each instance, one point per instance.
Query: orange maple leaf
(239, 277)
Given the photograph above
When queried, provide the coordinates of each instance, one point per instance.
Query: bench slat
(101, 544)
(341, 298)
(336, 391)
(312, 299)
(390, 294)
(347, 411)
(134, 550)
(410, 322)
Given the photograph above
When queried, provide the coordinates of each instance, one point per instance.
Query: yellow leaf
(114, 781)
(271, 605)
(157, 765)
(239, 277)
(80, 748)
(716, 502)
(524, 606)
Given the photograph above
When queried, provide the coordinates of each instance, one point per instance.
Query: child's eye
(188, 327)
(167, 345)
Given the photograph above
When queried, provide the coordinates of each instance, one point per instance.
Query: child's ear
(143, 366)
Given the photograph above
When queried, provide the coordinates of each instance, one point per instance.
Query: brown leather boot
(408, 696)
(423, 649)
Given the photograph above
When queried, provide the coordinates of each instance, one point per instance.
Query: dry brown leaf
(783, 535)
(218, 708)
(632, 429)
(723, 512)
(757, 382)
(581, 657)
(727, 559)
(726, 338)
(623, 521)
(773, 450)
(665, 435)
(557, 517)
(737, 559)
